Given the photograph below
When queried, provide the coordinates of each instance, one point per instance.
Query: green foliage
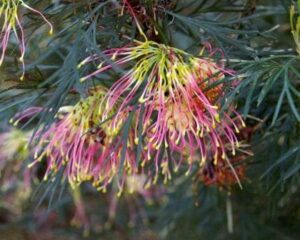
(258, 41)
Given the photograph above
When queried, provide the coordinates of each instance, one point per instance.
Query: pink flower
(9, 12)
(178, 110)
(85, 149)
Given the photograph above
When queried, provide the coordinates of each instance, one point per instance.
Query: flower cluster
(161, 114)
(84, 147)
(177, 98)
(9, 15)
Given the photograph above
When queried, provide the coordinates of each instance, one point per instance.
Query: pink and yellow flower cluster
(167, 105)
(85, 148)
(10, 11)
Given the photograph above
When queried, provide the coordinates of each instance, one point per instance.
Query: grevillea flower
(178, 106)
(11, 22)
(85, 149)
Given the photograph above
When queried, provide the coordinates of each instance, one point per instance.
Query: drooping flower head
(11, 22)
(84, 148)
(177, 105)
